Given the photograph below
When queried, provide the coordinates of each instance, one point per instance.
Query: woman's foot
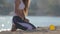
(13, 28)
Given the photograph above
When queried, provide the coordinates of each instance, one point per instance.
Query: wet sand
(41, 30)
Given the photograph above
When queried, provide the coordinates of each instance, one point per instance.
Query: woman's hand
(26, 20)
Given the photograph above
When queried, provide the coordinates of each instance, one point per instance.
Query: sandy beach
(41, 30)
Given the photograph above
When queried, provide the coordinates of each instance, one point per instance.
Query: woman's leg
(21, 24)
(29, 26)
(16, 25)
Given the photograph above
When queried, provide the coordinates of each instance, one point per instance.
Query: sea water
(38, 21)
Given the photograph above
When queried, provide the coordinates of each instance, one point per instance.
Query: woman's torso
(21, 6)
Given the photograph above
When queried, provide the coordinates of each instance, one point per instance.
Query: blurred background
(37, 7)
(41, 13)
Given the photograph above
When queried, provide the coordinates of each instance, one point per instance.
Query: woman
(19, 20)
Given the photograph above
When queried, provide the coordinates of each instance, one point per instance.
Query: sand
(41, 30)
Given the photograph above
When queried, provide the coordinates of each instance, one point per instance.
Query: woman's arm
(27, 4)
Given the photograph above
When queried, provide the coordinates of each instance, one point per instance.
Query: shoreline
(42, 30)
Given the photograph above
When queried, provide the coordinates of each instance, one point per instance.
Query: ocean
(38, 21)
